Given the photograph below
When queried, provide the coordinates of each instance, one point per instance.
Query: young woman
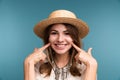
(62, 56)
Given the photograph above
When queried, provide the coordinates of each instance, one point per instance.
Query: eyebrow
(53, 30)
(57, 30)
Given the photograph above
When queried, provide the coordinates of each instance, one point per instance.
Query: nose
(60, 38)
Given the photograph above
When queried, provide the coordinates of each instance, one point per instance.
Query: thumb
(89, 51)
(36, 49)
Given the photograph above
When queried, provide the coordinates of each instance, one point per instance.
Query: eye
(66, 33)
(53, 32)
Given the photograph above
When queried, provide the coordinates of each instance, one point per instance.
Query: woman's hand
(91, 64)
(85, 57)
(37, 55)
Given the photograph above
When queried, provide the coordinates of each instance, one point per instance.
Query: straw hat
(61, 16)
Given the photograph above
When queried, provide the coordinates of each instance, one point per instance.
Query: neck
(62, 60)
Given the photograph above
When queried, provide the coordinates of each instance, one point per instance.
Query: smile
(60, 46)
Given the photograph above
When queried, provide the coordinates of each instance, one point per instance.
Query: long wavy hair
(74, 33)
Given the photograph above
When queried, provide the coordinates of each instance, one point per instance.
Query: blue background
(17, 40)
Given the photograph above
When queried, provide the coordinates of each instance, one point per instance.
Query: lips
(60, 46)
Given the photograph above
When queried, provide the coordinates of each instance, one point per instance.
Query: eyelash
(54, 33)
(67, 33)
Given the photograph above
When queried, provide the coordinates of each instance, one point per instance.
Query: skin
(89, 61)
(31, 60)
(61, 42)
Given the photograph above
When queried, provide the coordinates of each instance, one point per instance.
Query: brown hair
(74, 33)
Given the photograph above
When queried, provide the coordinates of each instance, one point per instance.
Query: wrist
(28, 62)
(92, 64)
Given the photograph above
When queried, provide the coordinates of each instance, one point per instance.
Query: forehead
(58, 27)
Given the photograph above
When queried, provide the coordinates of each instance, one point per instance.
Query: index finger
(44, 47)
(76, 47)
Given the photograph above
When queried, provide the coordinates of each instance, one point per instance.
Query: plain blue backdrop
(17, 40)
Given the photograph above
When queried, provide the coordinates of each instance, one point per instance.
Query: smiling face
(60, 39)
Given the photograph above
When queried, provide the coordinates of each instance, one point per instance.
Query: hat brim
(79, 24)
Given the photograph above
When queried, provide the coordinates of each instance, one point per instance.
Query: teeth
(60, 45)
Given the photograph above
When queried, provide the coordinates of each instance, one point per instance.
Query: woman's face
(60, 39)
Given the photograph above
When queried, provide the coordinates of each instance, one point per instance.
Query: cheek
(69, 39)
(51, 39)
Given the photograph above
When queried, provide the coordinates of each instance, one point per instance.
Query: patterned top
(52, 76)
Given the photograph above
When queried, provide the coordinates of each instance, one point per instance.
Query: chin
(61, 51)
